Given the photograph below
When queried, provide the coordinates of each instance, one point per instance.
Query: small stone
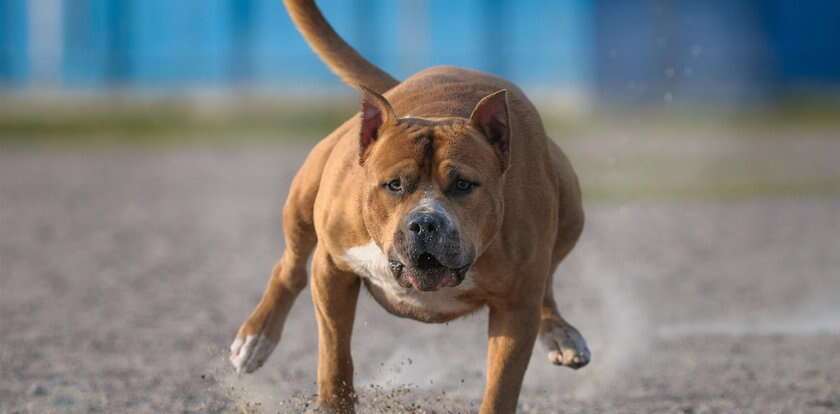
(823, 403)
(37, 390)
(63, 401)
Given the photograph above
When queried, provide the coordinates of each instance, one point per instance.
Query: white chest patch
(371, 263)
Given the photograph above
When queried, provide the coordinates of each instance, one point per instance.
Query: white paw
(251, 353)
(566, 346)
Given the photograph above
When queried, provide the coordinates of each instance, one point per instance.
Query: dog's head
(433, 191)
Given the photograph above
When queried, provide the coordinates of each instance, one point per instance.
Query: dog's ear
(376, 113)
(490, 116)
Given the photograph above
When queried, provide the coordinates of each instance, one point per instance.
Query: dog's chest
(369, 262)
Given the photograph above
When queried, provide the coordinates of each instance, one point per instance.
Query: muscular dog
(443, 196)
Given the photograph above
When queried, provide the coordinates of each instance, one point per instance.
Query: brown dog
(442, 197)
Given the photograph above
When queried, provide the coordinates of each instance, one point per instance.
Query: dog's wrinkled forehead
(419, 136)
(424, 138)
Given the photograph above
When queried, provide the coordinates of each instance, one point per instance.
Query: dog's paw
(249, 353)
(565, 344)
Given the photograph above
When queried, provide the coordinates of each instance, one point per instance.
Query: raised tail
(340, 57)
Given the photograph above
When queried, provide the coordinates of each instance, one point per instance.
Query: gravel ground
(124, 274)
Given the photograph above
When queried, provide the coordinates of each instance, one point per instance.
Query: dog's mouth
(427, 262)
(426, 273)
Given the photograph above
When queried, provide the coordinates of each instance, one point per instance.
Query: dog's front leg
(260, 333)
(512, 332)
(334, 293)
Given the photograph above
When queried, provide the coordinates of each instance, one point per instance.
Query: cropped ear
(376, 112)
(490, 116)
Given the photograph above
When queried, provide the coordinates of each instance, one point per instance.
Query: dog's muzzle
(429, 255)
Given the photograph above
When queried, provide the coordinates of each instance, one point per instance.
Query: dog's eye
(463, 186)
(394, 185)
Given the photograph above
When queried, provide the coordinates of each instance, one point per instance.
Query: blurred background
(146, 147)
(582, 56)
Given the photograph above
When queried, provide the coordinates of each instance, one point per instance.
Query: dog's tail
(341, 58)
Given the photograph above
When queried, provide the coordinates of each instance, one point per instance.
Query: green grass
(105, 122)
(735, 189)
(611, 167)
(800, 114)
(31, 121)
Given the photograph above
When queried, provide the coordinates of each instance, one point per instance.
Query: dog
(442, 197)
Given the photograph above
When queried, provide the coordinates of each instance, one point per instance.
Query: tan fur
(523, 220)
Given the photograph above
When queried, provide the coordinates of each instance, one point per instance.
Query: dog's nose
(425, 225)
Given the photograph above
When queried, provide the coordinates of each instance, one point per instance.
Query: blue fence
(13, 41)
(164, 43)
(623, 49)
(715, 50)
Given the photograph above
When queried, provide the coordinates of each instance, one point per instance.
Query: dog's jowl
(442, 197)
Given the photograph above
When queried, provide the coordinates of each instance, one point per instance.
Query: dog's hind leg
(565, 344)
(260, 333)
